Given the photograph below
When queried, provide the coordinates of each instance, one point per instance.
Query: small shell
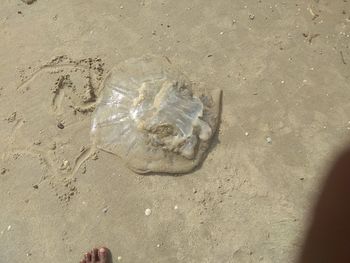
(148, 212)
(149, 117)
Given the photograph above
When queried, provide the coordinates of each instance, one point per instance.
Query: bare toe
(102, 254)
(94, 255)
(87, 257)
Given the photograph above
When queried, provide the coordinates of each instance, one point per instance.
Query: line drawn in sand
(61, 91)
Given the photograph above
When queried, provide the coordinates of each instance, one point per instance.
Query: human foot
(96, 256)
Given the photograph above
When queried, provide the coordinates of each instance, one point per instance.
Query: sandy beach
(284, 71)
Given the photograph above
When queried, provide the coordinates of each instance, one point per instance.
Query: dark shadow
(328, 236)
(110, 257)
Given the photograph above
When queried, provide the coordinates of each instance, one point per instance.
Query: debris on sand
(65, 165)
(4, 170)
(312, 12)
(148, 212)
(269, 140)
(60, 125)
(310, 37)
(37, 142)
(12, 117)
(28, 2)
(342, 57)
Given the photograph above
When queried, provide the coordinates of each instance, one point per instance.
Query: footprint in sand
(52, 119)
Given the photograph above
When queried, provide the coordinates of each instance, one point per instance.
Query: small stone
(269, 140)
(221, 33)
(37, 142)
(119, 258)
(251, 17)
(35, 186)
(246, 134)
(194, 190)
(12, 117)
(60, 125)
(9, 228)
(28, 254)
(158, 245)
(28, 2)
(176, 207)
(148, 212)
(121, 7)
(4, 170)
(282, 82)
(105, 210)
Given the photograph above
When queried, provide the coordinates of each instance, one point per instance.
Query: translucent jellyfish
(149, 117)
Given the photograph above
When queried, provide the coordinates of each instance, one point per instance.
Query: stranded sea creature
(150, 118)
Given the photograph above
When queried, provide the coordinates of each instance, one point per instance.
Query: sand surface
(284, 68)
